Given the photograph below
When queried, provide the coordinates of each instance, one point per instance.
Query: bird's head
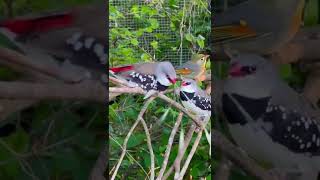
(189, 85)
(251, 75)
(200, 59)
(166, 74)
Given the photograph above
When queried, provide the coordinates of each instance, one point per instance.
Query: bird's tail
(38, 24)
(227, 33)
(121, 69)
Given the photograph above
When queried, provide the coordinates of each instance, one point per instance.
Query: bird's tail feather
(38, 24)
(121, 69)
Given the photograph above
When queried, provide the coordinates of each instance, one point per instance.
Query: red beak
(235, 70)
(173, 81)
(184, 83)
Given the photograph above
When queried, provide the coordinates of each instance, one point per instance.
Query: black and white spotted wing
(298, 133)
(203, 103)
(146, 81)
(289, 128)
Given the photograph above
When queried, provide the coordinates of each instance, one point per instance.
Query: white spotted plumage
(149, 76)
(195, 99)
(274, 124)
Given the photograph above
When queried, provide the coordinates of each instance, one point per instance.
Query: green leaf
(154, 44)
(135, 140)
(154, 24)
(189, 37)
(286, 71)
(134, 42)
(145, 57)
(200, 43)
(19, 141)
(311, 13)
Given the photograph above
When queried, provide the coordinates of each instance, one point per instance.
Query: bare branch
(239, 157)
(193, 150)
(124, 147)
(150, 147)
(169, 145)
(86, 90)
(44, 64)
(177, 161)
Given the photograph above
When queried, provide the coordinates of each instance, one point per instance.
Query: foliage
(130, 43)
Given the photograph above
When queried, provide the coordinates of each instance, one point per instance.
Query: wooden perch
(239, 157)
(87, 90)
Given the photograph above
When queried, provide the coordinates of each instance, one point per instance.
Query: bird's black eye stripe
(248, 69)
(188, 83)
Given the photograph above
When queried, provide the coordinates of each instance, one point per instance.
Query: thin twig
(87, 90)
(239, 157)
(169, 145)
(193, 150)
(159, 95)
(176, 163)
(150, 147)
(143, 110)
(43, 63)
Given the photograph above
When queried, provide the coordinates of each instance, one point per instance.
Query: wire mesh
(175, 57)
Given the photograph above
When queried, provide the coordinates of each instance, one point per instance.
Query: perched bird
(157, 76)
(69, 37)
(257, 26)
(195, 68)
(268, 119)
(194, 99)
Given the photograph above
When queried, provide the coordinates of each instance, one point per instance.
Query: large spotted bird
(156, 76)
(269, 120)
(195, 99)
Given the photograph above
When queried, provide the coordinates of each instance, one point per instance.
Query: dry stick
(193, 150)
(87, 90)
(169, 145)
(239, 157)
(44, 65)
(124, 147)
(125, 90)
(177, 161)
(159, 95)
(150, 147)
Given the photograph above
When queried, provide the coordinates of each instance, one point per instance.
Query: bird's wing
(285, 96)
(203, 93)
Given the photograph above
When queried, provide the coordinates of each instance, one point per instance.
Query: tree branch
(87, 90)
(239, 157)
(169, 145)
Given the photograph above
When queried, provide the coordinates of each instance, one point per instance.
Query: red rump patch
(40, 24)
(121, 69)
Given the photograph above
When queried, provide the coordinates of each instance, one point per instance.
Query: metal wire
(175, 57)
